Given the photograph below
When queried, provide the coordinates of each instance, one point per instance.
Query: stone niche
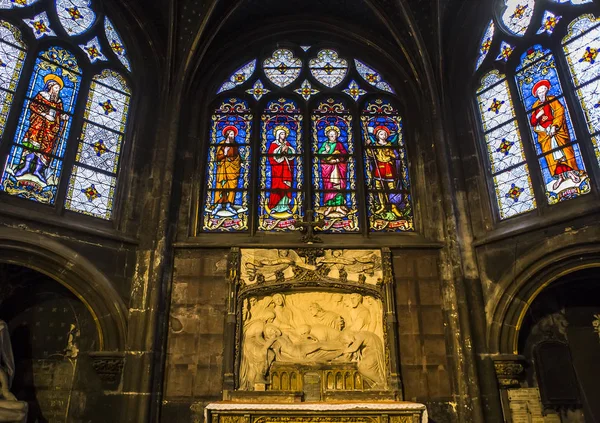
(310, 326)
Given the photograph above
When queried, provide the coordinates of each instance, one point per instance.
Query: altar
(311, 338)
(381, 412)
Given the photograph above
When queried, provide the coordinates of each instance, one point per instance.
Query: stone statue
(11, 410)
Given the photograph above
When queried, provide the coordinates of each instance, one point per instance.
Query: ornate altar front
(311, 329)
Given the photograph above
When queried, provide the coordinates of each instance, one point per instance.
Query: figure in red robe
(45, 118)
(282, 161)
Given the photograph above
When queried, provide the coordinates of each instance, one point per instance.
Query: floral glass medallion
(239, 76)
(306, 90)
(354, 90)
(40, 25)
(258, 90)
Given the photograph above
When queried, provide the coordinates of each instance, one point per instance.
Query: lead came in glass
(239, 76)
(282, 68)
(76, 16)
(100, 146)
(116, 44)
(386, 169)
(517, 15)
(34, 166)
(512, 183)
(280, 202)
(328, 68)
(10, 4)
(485, 44)
(12, 55)
(226, 204)
(334, 167)
(581, 46)
(563, 170)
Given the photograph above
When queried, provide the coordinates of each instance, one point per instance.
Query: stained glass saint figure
(282, 161)
(386, 168)
(552, 129)
(228, 172)
(334, 173)
(549, 123)
(46, 127)
(280, 198)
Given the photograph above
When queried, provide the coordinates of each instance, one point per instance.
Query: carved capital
(108, 365)
(509, 370)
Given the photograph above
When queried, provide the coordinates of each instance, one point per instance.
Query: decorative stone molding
(509, 370)
(108, 365)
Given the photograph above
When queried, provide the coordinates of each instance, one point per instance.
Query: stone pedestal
(347, 412)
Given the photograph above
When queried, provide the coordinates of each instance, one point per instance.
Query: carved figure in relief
(367, 350)
(327, 318)
(360, 315)
(313, 327)
(286, 351)
(254, 365)
(11, 409)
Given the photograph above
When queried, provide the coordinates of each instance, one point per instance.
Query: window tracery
(328, 138)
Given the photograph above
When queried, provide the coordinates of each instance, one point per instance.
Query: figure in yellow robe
(229, 164)
(549, 123)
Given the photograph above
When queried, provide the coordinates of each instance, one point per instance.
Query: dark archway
(77, 274)
(565, 314)
(51, 332)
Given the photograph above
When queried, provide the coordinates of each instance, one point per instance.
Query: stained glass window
(485, 44)
(354, 90)
(116, 44)
(93, 180)
(506, 160)
(76, 16)
(239, 76)
(282, 68)
(64, 151)
(10, 4)
(549, 22)
(35, 164)
(12, 55)
(281, 198)
(306, 90)
(334, 179)
(581, 46)
(372, 76)
(40, 25)
(305, 110)
(563, 170)
(517, 15)
(328, 68)
(505, 51)
(556, 136)
(228, 165)
(386, 168)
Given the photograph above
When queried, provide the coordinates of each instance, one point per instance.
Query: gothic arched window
(538, 102)
(64, 102)
(306, 128)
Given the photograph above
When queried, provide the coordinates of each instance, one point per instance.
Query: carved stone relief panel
(316, 328)
(260, 266)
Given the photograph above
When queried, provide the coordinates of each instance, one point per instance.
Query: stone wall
(196, 332)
